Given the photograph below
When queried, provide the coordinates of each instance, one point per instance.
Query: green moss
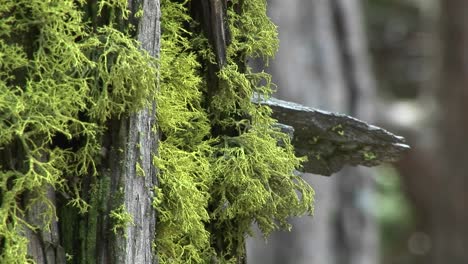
(185, 176)
(213, 186)
(99, 193)
(60, 81)
(139, 170)
(369, 155)
(120, 219)
(65, 73)
(338, 129)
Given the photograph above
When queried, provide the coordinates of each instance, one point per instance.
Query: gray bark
(135, 246)
(44, 245)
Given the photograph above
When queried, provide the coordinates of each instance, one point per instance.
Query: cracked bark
(139, 139)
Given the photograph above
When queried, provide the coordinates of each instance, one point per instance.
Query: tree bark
(141, 147)
(44, 245)
(137, 136)
(127, 176)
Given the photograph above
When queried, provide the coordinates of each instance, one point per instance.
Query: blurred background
(402, 65)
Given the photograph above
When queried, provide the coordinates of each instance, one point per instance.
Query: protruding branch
(332, 140)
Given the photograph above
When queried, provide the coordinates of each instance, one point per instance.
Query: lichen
(369, 155)
(65, 73)
(60, 81)
(214, 185)
(121, 219)
(185, 176)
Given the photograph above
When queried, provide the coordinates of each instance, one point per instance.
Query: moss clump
(184, 153)
(221, 166)
(120, 219)
(61, 80)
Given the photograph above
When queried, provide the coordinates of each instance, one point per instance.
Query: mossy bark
(130, 142)
(87, 93)
(76, 182)
(44, 245)
(136, 246)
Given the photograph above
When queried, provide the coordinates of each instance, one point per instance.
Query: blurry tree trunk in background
(434, 173)
(323, 63)
(449, 228)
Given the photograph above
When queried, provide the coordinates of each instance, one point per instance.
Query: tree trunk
(135, 246)
(450, 210)
(323, 63)
(434, 171)
(127, 177)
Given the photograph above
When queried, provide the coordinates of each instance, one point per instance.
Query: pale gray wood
(141, 146)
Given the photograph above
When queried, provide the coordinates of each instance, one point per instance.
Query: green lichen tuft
(185, 170)
(120, 219)
(60, 82)
(221, 167)
(369, 155)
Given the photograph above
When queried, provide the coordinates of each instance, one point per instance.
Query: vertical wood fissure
(136, 246)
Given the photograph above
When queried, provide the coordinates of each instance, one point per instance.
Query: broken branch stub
(332, 140)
